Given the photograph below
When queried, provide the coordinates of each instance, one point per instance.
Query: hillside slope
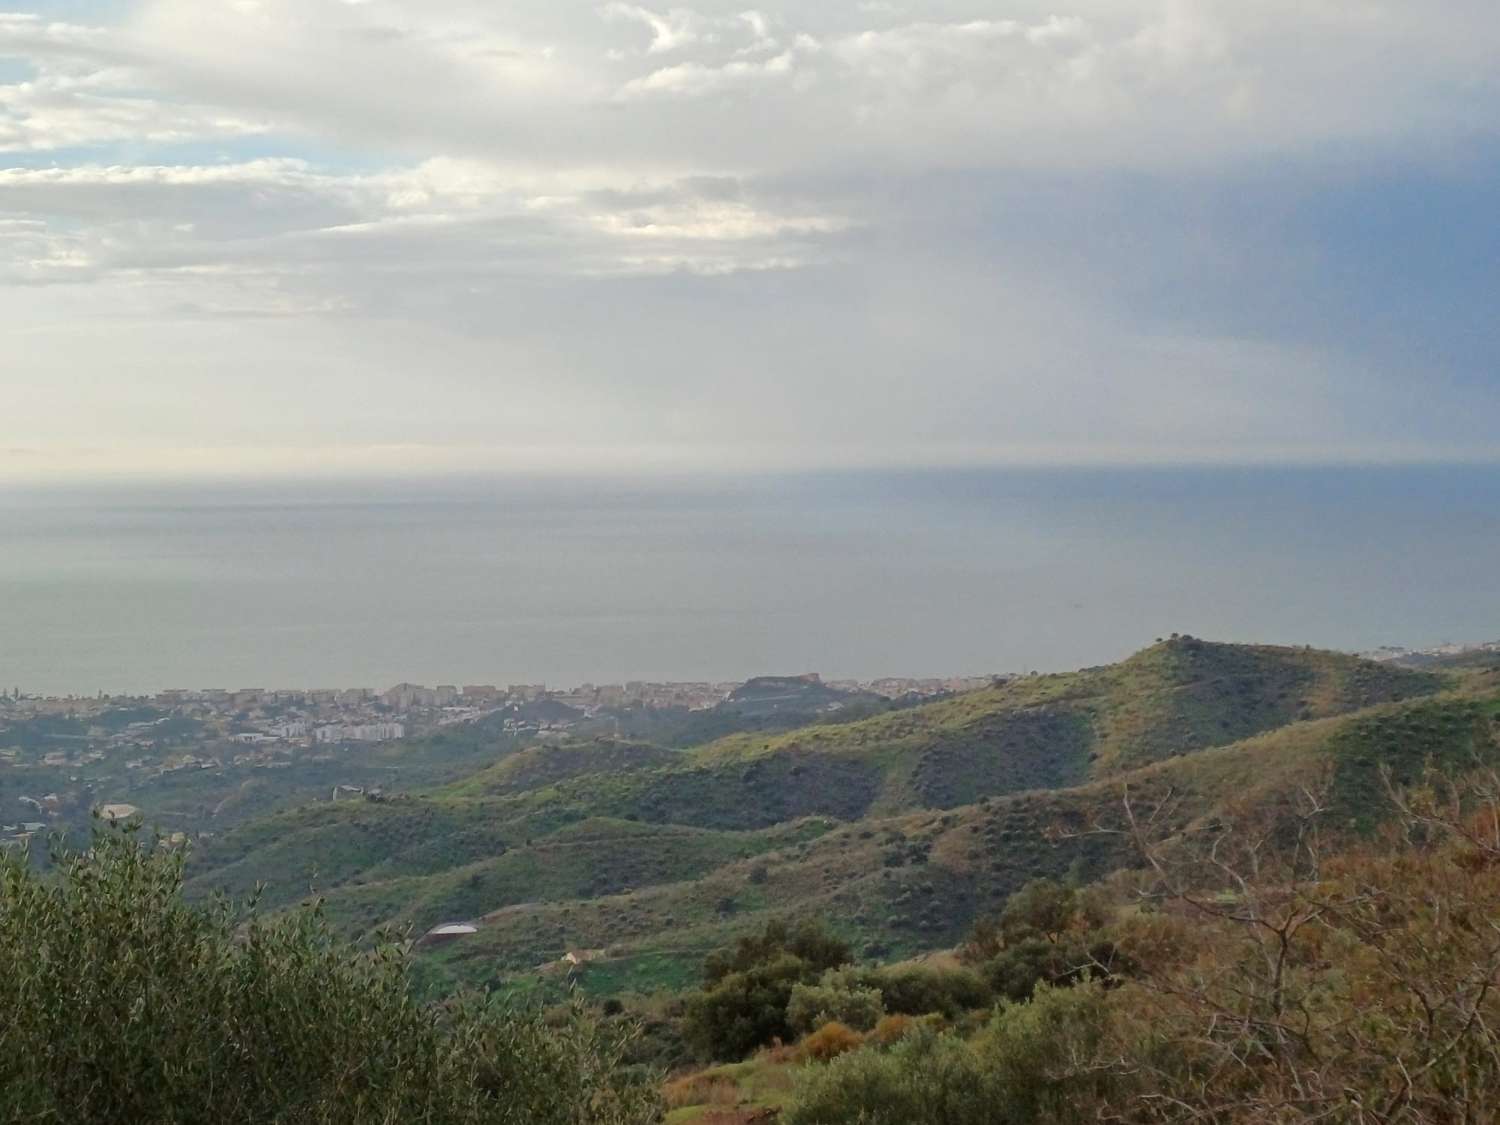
(900, 826)
(588, 859)
(911, 882)
(1044, 731)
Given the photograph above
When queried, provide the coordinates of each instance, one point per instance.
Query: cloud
(695, 79)
(669, 30)
(574, 83)
(443, 220)
(843, 232)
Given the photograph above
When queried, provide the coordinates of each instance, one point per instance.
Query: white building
(361, 732)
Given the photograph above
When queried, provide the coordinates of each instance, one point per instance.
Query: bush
(838, 996)
(925, 1079)
(892, 1028)
(701, 1089)
(1037, 1062)
(745, 1009)
(1019, 968)
(1044, 1057)
(1042, 910)
(830, 1041)
(749, 988)
(916, 990)
(809, 942)
(123, 1003)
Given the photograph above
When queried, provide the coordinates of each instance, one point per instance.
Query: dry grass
(830, 1041)
(701, 1089)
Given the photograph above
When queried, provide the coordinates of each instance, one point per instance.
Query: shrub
(893, 1028)
(838, 996)
(809, 942)
(830, 1041)
(1043, 1058)
(1019, 968)
(925, 1079)
(1038, 1062)
(749, 987)
(1042, 910)
(744, 1009)
(1340, 986)
(916, 990)
(123, 1003)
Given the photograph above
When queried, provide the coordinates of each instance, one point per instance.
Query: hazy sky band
(324, 236)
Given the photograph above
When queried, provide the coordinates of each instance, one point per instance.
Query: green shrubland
(123, 1003)
(1275, 979)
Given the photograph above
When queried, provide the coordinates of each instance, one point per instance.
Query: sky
(263, 237)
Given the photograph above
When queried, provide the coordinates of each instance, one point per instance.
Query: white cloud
(25, 35)
(669, 30)
(447, 221)
(569, 83)
(695, 79)
(631, 224)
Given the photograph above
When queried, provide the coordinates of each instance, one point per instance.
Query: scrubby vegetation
(1020, 1068)
(1275, 981)
(123, 1003)
(786, 982)
(748, 989)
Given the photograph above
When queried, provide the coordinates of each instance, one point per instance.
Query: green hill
(1044, 731)
(541, 766)
(897, 827)
(589, 859)
(903, 884)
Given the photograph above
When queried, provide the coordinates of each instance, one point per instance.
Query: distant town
(1399, 654)
(190, 758)
(259, 716)
(88, 753)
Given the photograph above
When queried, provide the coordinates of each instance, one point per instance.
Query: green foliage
(540, 766)
(1031, 963)
(1391, 745)
(1043, 1057)
(1041, 731)
(925, 1079)
(745, 1009)
(1285, 985)
(809, 942)
(1035, 1063)
(1185, 694)
(837, 997)
(1048, 933)
(1047, 909)
(917, 990)
(123, 1003)
(749, 987)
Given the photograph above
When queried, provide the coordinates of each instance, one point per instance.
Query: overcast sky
(251, 236)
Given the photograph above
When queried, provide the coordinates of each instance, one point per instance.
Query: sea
(130, 587)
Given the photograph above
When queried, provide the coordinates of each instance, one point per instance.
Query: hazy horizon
(853, 575)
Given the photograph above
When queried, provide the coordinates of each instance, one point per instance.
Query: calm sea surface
(130, 588)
